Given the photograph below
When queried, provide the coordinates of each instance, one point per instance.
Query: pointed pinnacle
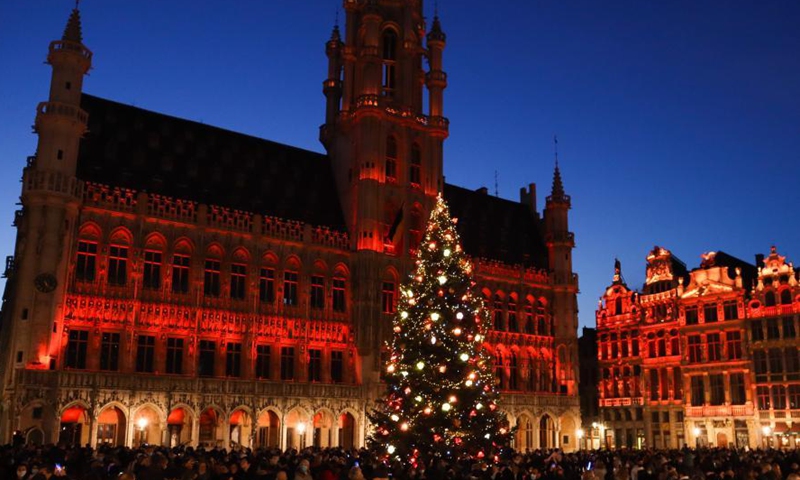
(558, 185)
(72, 32)
(436, 32)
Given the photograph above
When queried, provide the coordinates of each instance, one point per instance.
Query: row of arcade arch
(148, 424)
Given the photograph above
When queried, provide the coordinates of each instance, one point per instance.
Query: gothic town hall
(175, 283)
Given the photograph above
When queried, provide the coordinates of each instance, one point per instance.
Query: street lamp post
(696, 432)
(301, 431)
(579, 434)
(142, 424)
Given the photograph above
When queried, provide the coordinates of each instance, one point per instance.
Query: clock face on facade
(45, 282)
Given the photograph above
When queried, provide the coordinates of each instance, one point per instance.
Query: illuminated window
(337, 366)
(290, 288)
(180, 273)
(388, 303)
(391, 160)
(263, 361)
(779, 397)
(499, 324)
(238, 281)
(152, 270)
(77, 344)
(717, 387)
(691, 316)
(710, 313)
(714, 347)
(109, 352)
(730, 310)
(145, 353)
(314, 365)
(317, 292)
(769, 299)
(654, 385)
(512, 317)
(86, 265)
(512, 372)
(695, 349)
(762, 394)
(737, 389)
(794, 397)
(287, 363)
(389, 58)
(117, 265)
(775, 356)
(698, 391)
(339, 302)
(773, 331)
(786, 297)
(175, 355)
(415, 169)
(791, 360)
(788, 328)
(233, 360)
(206, 358)
(677, 381)
(211, 278)
(530, 325)
(734, 345)
(266, 285)
(756, 331)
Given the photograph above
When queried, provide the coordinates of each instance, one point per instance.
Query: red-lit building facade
(178, 283)
(701, 357)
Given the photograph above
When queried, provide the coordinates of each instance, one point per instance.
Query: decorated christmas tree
(441, 398)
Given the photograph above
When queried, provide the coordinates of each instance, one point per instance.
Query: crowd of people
(186, 463)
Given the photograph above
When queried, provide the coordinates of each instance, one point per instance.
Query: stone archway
(347, 430)
(547, 432)
(179, 426)
(111, 427)
(323, 429)
(241, 427)
(210, 433)
(524, 438)
(74, 426)
(147, 426)
(269, 430)
(296, 429)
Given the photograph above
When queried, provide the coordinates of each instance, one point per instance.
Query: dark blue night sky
(678, 122)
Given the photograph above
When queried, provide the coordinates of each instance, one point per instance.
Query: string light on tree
(439, 378)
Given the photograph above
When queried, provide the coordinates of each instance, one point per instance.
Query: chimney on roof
(483, 190)
(528, 197)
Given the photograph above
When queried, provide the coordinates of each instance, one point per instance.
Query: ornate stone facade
(177, 283)
(707, 357)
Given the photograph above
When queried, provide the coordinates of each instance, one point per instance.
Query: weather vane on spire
(555, 147)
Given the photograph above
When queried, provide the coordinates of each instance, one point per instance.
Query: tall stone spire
(72, 32)
(557, 192)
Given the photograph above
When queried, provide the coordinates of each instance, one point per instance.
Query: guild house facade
(175, 283)
(707, 357)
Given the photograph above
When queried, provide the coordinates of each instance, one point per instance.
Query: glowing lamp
(459, 315)
(766, 430)
(404, 426)
(442, 280)
(579, 433)
(696, 431)
(390, 449)
(464, 357)
(446, 407)
(403, 315)
(434, 316)
(142, 423)
(446, 252)
(301, 428)
(420, 365)
(395, 418)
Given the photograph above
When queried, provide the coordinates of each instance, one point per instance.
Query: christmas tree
(441, 398)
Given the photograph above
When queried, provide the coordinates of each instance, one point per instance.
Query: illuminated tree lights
(440, 398)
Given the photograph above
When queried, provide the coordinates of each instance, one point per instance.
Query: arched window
(786, 297)
(415, 169)
(498, 322)
(391, 160)
(769, 299)
(512, 314)
(530, 325)
(118, 257)
(512, 371)
(389, 58)
(618, 306)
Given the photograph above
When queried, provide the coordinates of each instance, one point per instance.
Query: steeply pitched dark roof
(134, 148)
(495, 228)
